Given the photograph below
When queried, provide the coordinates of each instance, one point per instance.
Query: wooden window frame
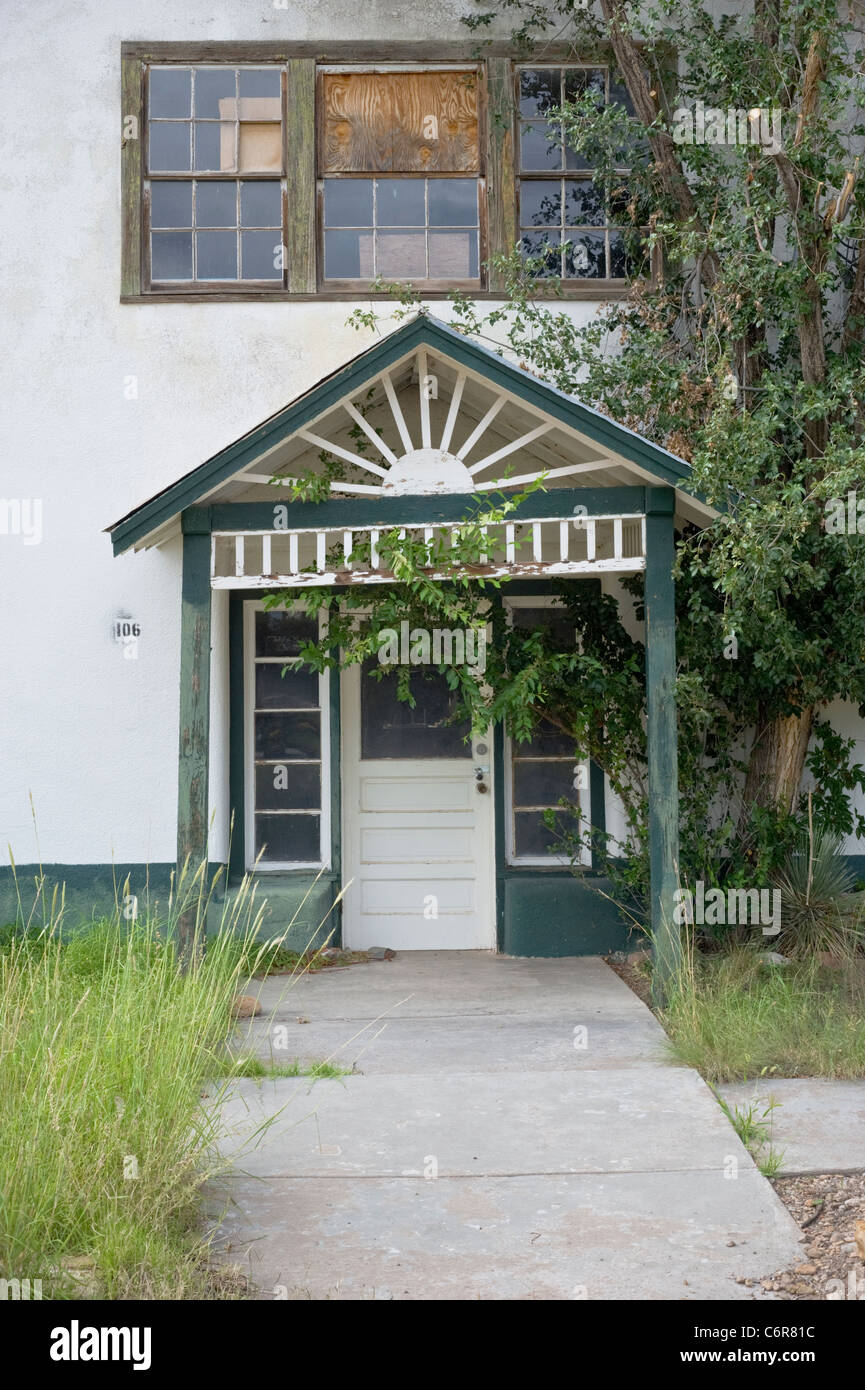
(584, 800)
(563, 174)
(498, 113)
(344, 287)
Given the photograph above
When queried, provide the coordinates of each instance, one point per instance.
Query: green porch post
(661, 734)
(194, 708)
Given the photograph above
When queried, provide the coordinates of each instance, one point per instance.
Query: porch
(418, 439)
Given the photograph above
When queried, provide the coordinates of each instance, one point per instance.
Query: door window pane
(390, 728)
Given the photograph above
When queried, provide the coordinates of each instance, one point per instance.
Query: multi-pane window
(567, 217)
(214, 170)
(399, 166)
(545, 768)
(285, 742)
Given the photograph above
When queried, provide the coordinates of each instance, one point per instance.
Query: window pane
(348, 256)
(261, 204)
(453, 255)
(348, 202)
(400, 203)
(287, 786)
(297, 689)
(552, 620)
(584, 203)
(215, 93)
(171, 205)
(214, 146)
(279, 633)
(532, 837)
(392, 729)
(169, 146)
(580, 81)
(260, 255)
(586, 258)
(621, 265)
(546, 742)
(169, 91)
(453, 203)
(216, 204)
(540, 89)
(540, 203)
(543, 244)
(288, 736)
(259, 82)
(288, 839)
(216, 255)
(171, 256)
(542, 783)
(541, 146)
(260, 147)
(401, 254)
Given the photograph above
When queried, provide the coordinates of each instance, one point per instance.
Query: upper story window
(214, 166)
(253, 176)
(566, 215)
(399, 166)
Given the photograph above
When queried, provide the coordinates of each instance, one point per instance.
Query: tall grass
(105, 1131)
(733, 1016)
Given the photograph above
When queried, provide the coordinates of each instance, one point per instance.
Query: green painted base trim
(294, 904)
(89, 890)
(298, 909)
(560, 915)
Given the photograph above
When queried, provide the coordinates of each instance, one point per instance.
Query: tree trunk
(776, 763)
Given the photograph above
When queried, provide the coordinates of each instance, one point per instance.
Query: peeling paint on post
(192, 785)
(662, 735)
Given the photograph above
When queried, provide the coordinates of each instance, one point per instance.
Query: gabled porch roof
(479, 425)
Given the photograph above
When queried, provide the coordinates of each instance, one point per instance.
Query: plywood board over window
(401, 122)
(400, 167)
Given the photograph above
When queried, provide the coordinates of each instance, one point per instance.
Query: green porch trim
(192, 780)
(661, 732)
(355, 513)
(598, 805)
(423, 331)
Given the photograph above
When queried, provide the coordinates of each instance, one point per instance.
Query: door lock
(480, 784)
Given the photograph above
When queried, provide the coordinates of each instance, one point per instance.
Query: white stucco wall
(91, 736)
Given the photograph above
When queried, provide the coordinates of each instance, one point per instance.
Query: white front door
(417, 821)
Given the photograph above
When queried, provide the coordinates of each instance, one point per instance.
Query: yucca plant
(815, 882)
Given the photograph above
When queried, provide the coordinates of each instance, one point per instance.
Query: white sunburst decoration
(429, 466)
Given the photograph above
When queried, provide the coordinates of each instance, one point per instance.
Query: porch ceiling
(426, 412)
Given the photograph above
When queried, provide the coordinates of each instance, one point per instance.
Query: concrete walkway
(817, 1126)
(513, 1131)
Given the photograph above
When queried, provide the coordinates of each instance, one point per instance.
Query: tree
(743, 353)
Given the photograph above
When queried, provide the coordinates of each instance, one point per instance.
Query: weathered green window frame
(301, 61)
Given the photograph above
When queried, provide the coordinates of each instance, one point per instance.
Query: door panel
(417, 832)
